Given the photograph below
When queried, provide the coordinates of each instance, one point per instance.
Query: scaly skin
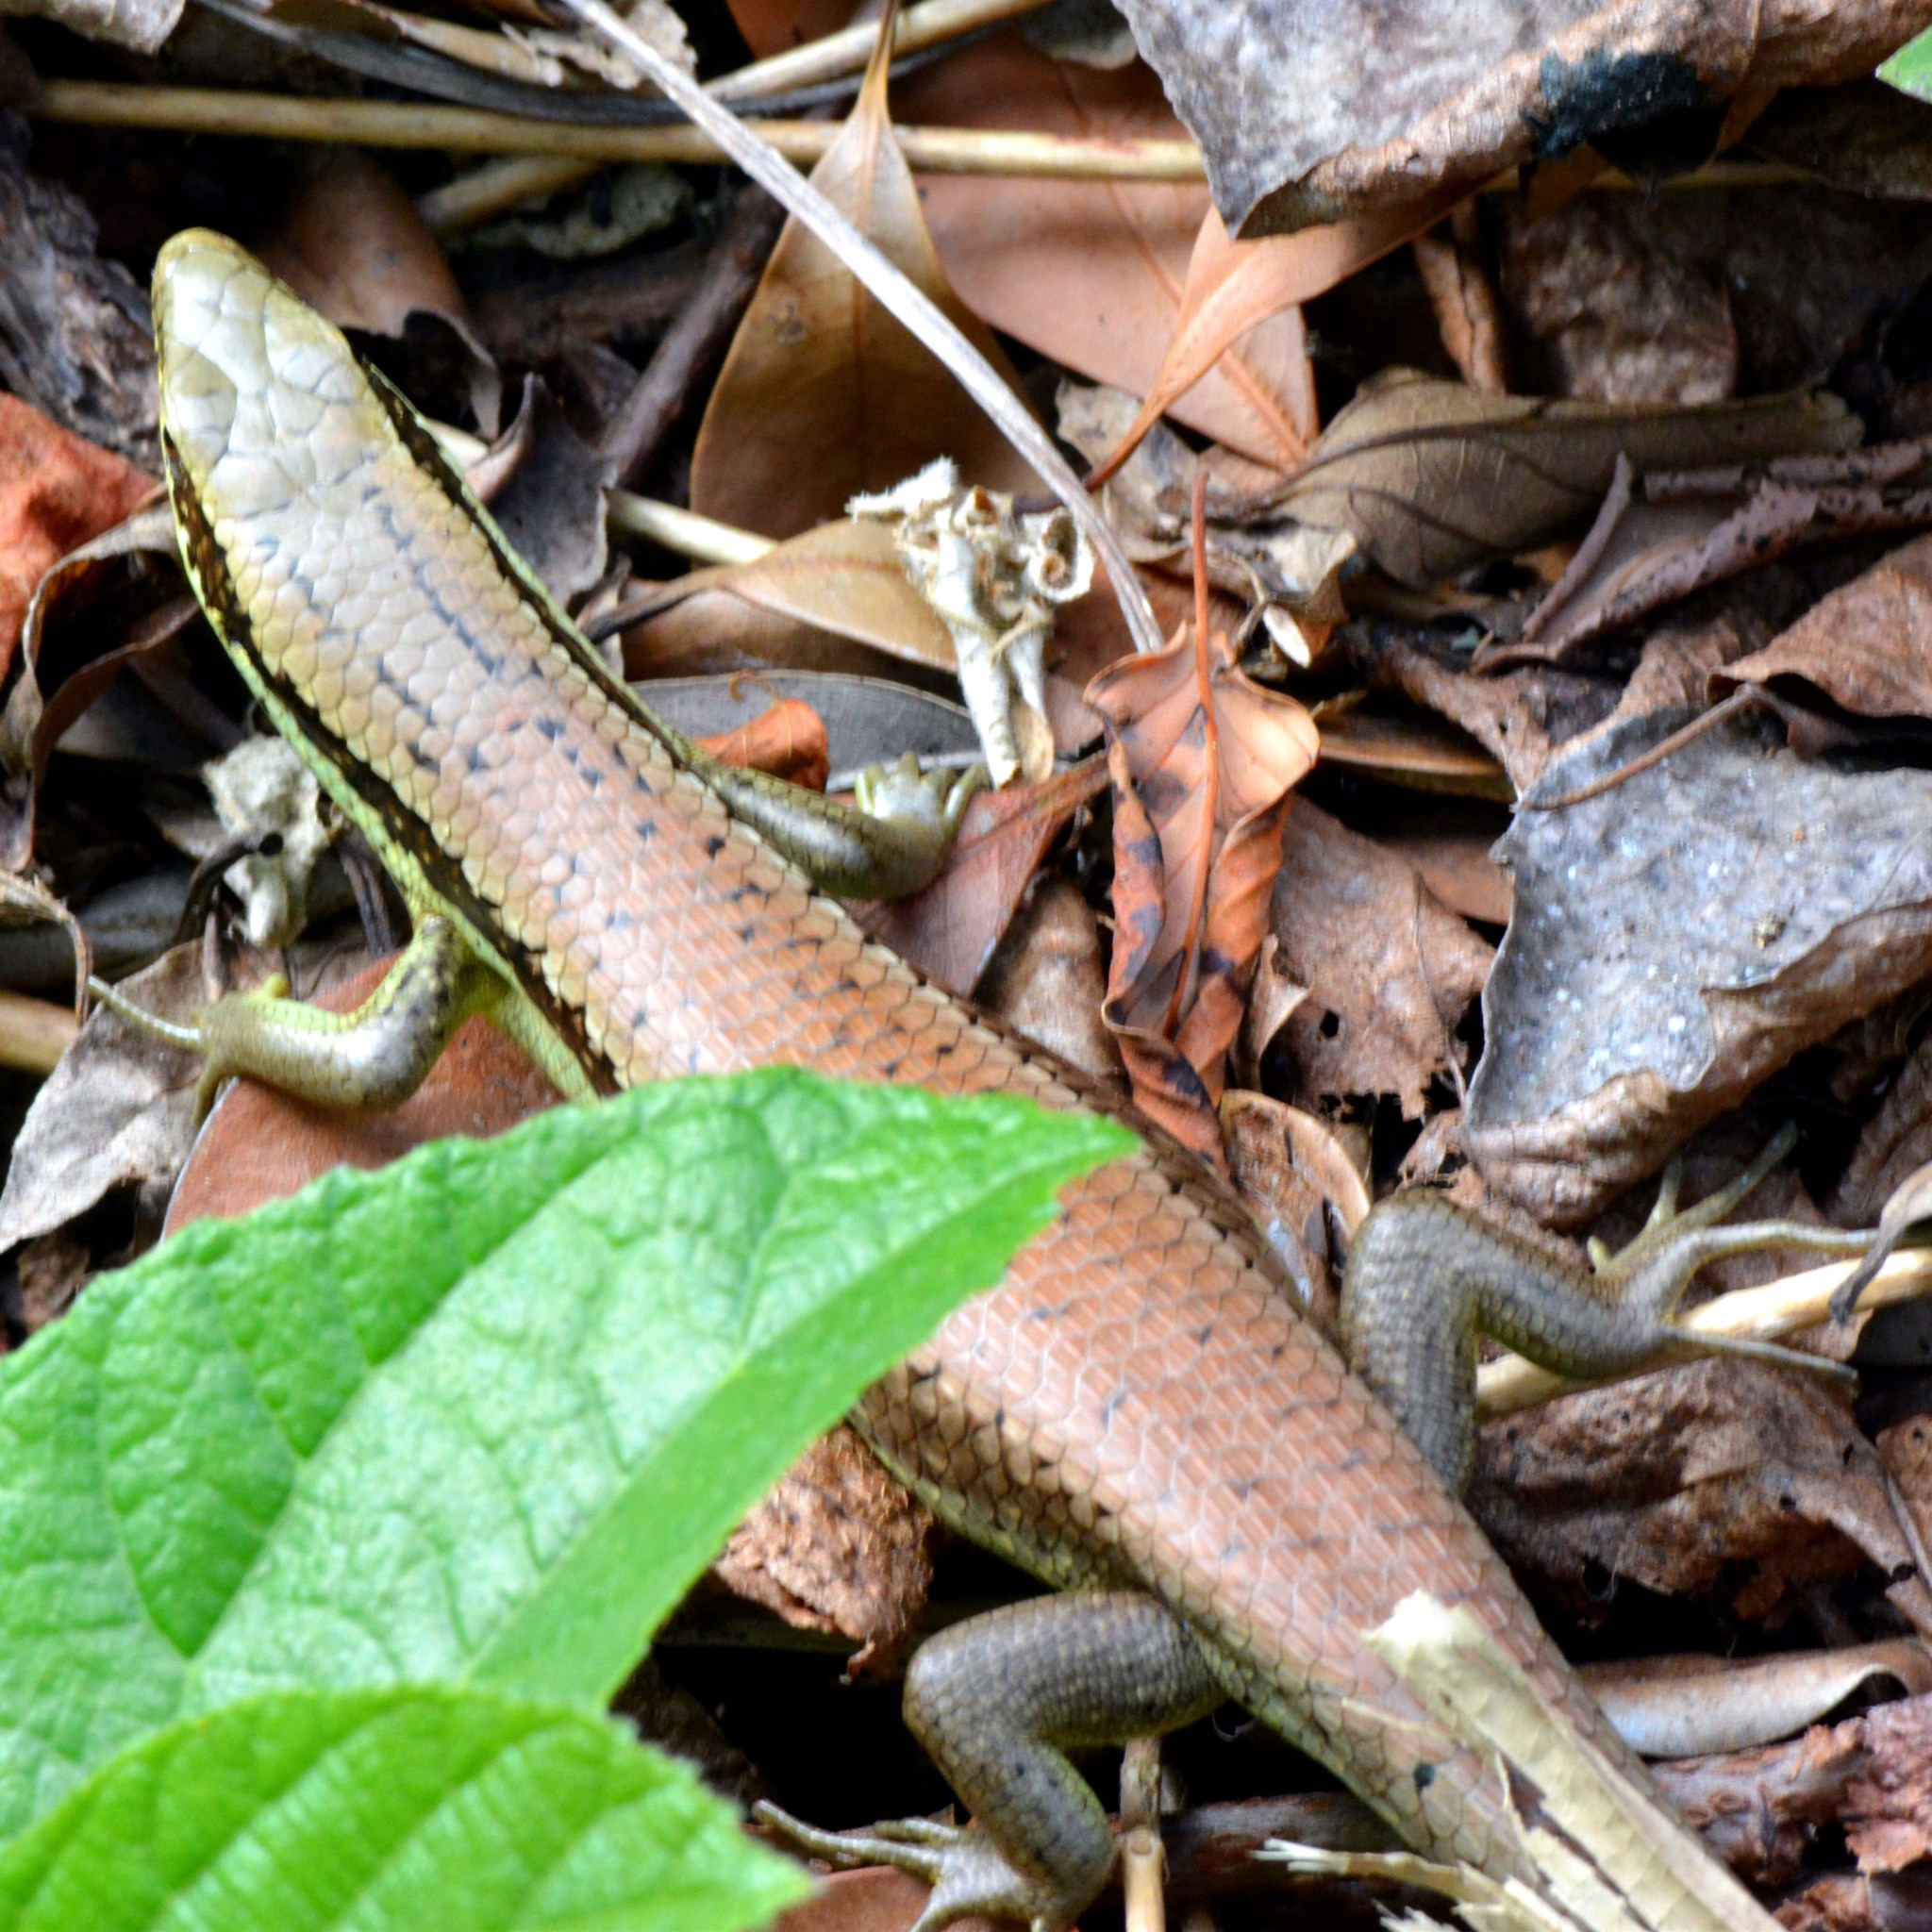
(1139, 1404)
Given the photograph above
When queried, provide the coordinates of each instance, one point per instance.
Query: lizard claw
(934, 801)
(968, 1873)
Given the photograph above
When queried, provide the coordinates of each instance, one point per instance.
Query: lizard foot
(969, 1874)
(933, 802)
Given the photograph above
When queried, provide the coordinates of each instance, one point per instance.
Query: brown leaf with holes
(1202, 762)
(1719, 1477)
(824, 395)
(1092, 274)
(1389, 970)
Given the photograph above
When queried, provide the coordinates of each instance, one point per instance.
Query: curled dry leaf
(1092, 273)
(1469, 315)
(787, 739)
(842, 580)
(950, 929)
(1719, 1475)
(550, 502)
(1389, 970)
(57, 492)
(996, 579)
(1429, 477)
(1451, 96)
(1678, 938)
(1202, 762)
(352, 246)
(1692, 1706)
(825, 395)
(1679, 533)
(1048, 977)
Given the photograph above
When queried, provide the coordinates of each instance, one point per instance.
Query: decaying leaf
(1048, 977)
(996, 578)
(1092, 273)
(1469, 315)
(1868, 647)
(551, 503)
(1429, 477)
(351, 245)
(825, 395)
(950, 929)
(1720, 1475)
(838, 1545)
(1389, 970)
(1675, 940)
(1451, 96)
(1202, 762)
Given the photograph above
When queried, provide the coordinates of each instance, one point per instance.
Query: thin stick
(896, 293)
(703, 539)
(1778, 1309)
(477, 130)
(34, 1033)
(848, 51)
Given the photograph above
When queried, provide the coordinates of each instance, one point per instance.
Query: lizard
(1139, 1413)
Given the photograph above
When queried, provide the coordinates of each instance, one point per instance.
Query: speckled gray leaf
(1313, 109)
(1678, 938)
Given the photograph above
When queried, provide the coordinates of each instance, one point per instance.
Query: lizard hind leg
(997, 1701)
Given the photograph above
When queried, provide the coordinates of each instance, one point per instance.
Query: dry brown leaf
(1414, 750)
(1721, 1476)
(1202, 762)
(843, 579)
(1233, 286)
(837, 1545)
(1429, 477)
(775, 26)
(1048, 977)
(1389, 970)
(1092, 273)
(1469, 313)
(825, 395)
(351, 245)
(1867, 646)
(57, 491)
(949, 930)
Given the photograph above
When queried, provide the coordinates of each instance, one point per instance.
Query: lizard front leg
(997, 1702)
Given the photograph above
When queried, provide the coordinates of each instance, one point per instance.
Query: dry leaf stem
(897, 293)
(1778, 1309)
(477, 130)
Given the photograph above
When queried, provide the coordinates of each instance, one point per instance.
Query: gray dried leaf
(1302, 122)
(1430, 478)
(551, 507)
(1678, 938)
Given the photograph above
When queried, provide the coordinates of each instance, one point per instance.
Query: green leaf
(482, 1415)
(1911, 69)
(412, 1810)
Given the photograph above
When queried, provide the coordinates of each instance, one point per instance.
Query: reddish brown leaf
(57, 491)
(775, 26)
(1092, 273)
(949, 930)
(1202, 762)
(787, 739)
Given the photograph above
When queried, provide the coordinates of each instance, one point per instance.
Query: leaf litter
(1594, 462)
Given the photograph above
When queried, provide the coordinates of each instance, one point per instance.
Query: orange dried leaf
(824, 395)
(1233, 287)
(1092, 273)
(787, 739)
(1202, 762)
(57, 491)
